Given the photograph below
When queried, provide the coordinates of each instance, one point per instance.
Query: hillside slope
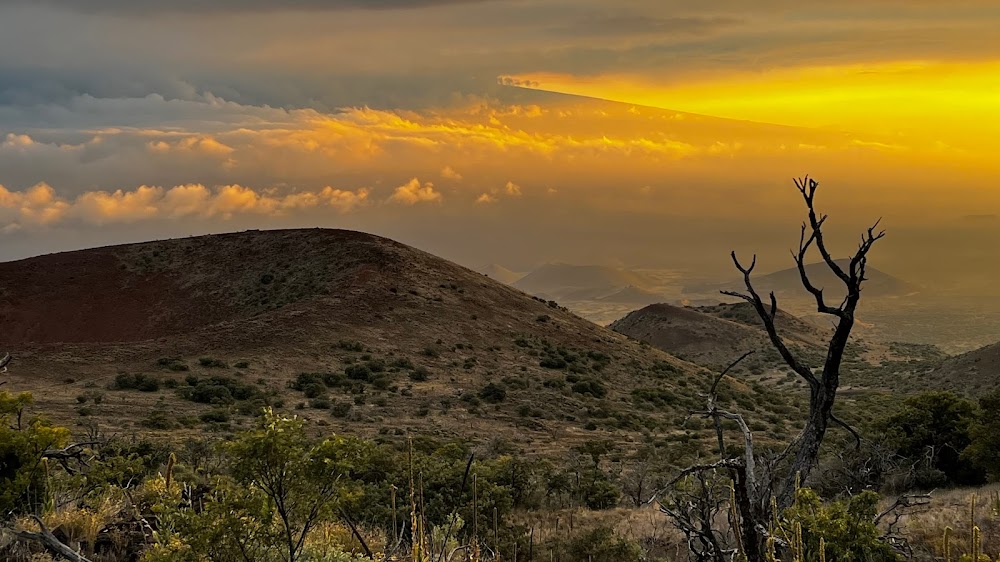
(973, 373)
(501, 274)
(391, 339)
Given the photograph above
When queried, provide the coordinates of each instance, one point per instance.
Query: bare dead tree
(4, 361)
(761, 484)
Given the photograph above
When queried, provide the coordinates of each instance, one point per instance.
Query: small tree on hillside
(763, 484)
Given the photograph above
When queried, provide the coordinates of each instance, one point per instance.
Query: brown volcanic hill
(711, 336)
(790, 327)
(972, 373)
(256, 309)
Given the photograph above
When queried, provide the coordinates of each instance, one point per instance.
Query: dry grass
(953, 508)
(646, 526)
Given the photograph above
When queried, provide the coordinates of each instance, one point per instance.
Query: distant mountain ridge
(501, 274)
(562, 281)
(788, 283)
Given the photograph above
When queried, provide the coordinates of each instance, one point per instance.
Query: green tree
(304, 482)
(984, 449)
(935, 426)
(23, 482)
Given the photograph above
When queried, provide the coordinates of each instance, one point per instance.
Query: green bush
(141, 382)
(215, 416)
(603, 545)
(420, 374)
(493, 393)
(358, 373)
(314, 390)
(211, 363)
(846, 527)
(218, 390)
(590, 387)
(341, 409)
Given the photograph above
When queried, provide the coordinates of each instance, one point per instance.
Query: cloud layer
(41, 206)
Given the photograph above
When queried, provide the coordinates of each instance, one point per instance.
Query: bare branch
(807, 187)
(768, 319)
(800, 263)
(851, 430)
(4, 361)
(718, 379)
(724, 463)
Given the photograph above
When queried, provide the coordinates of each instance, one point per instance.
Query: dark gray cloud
(140, 7)
(633, 24)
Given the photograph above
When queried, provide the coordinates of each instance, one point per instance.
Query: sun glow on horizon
(944, 104)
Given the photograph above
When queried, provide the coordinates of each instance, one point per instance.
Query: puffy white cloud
(512, 189)
(412, 192)
(486, 199)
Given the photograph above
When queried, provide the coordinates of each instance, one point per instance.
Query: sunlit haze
(640, 133)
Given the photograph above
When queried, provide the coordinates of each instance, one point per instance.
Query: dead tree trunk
(50, 542)
(762, 484)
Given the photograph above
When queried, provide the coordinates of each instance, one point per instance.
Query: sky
(636, 132)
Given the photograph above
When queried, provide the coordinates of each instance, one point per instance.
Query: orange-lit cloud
(412, 193)
(40, 205)
(449, 173)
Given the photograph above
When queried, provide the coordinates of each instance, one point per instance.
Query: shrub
(348, 345)
(158, 419)
(314, 390)
(144, 383)
(358, 373)
(172, 363)
(420, 374)
(341, 409)
(403, 363)
(215, 416)
(493, 393)
(210, 363)
(381, 381)
(590, 387)
(320, 404)
(552, 362)
(218, 390)
(603, 545)
(845, 526)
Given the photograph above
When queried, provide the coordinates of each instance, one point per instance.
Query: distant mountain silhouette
(562, 281)
(501, 274)
(788, 283)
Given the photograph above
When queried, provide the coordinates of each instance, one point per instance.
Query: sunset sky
(633, 132)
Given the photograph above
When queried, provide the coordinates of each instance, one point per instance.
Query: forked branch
(767, 316)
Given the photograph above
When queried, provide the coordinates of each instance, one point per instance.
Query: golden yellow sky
(910, 103)
(570, 130)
